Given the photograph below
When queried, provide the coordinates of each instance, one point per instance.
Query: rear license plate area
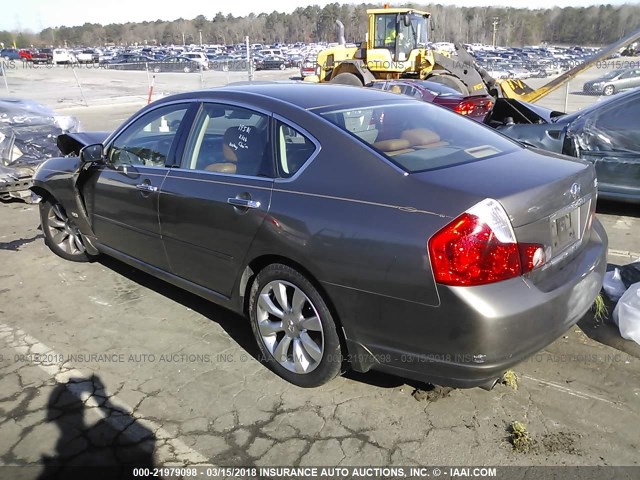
(565, 229)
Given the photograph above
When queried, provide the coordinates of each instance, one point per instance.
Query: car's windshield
(418, 136)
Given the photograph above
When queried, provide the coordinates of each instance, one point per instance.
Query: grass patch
(601, 312)
(510, 379)
(519, 437)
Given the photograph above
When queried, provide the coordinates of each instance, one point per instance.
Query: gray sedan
(354, 228)
(613, 81)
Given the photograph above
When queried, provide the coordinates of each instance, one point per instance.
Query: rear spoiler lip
(72, 143)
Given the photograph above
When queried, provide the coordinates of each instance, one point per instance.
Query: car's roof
(311, 95)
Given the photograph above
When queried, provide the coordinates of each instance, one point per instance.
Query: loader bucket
(514, 88)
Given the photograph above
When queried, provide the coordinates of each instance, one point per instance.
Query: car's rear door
(212, 204)
(122, 194)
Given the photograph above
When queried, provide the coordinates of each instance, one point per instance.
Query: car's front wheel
(294, 328)
(609, 90)
(61, 234)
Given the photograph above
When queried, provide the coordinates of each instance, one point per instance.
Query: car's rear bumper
(476, 333)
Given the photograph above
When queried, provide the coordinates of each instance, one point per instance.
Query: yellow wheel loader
(396, 47)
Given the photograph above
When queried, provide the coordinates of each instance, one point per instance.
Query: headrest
(420, 136)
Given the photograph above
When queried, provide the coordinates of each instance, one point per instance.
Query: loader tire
(347, 79)
(450, 81)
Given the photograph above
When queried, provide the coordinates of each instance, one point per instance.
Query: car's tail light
(480, 247)
(473, 107)
(465, 107)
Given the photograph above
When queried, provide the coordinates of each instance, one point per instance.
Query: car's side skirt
(168, 277)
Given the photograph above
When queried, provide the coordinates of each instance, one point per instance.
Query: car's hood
(72, 143)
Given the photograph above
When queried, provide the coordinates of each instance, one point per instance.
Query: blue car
(9, 54)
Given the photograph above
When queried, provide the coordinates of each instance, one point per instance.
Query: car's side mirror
(92, 153)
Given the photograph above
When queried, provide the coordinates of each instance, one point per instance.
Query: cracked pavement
(102, 364)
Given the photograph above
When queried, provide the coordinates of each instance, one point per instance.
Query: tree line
(595, 25)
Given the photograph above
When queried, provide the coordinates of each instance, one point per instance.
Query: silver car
(613, 81)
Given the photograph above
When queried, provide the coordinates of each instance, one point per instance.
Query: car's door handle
(243, 203)
(145, 187)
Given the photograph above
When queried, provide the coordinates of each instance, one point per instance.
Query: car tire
(225, 68)
(609, 90)
(156, 69)
(282, 66)
(347, 78)
(186, 69)
(61, 234)
(300, 342)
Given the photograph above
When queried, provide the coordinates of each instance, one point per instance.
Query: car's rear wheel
(609, 90)
(187, 69)
(282, 66)
(294, 328)
(61, 234)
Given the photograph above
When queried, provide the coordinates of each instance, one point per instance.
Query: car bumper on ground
(482, 331)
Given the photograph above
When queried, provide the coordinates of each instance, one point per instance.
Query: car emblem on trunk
(574, 191)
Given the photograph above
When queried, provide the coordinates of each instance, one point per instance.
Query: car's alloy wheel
(187, 69)
(609, 90)
(294, 328)
(282, 67)
(156, 69)
(61, 234)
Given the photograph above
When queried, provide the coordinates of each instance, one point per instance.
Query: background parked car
(272, 62)
(43, 55)
(10, 54)
(475, 107)
(88, 55)
(614, 81)
(175, 64)
(63, 56)
(26, 55)
(308, 66)
(130, 62)
(199, 57)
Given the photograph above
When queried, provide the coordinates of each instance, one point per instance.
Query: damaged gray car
(606, 133)
(28, 133)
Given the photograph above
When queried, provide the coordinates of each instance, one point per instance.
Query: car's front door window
(148, 140)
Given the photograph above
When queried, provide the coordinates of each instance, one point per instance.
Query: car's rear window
(418, 136)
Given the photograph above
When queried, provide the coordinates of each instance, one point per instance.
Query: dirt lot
(99, 361)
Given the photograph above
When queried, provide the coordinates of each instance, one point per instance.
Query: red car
(475, 107)
(25, 54)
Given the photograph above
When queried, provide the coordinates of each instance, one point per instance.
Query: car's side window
(147, 141)
(229, 139)
(294, 150)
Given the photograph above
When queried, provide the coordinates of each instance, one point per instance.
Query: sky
(35, 15)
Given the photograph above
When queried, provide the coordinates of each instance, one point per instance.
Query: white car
(199, 57)
(62, 55)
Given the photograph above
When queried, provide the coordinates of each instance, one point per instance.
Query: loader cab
(398, 31)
